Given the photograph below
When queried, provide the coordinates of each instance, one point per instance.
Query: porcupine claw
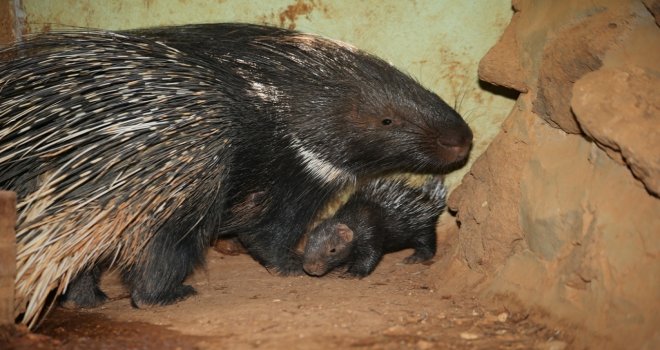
(141, 301)
(83, 291)
(290, 266)
(414, 259)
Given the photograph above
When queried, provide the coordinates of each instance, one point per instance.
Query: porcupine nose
(457, 144)
(314, 269)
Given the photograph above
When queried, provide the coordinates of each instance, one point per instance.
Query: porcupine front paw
(364, 264)
(419, 256)
(143, 299)
(83, 291)
(356, 272)
(279, 259)
(288, 265)
(359, 270)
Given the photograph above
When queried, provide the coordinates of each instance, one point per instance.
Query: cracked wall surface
(562, 209)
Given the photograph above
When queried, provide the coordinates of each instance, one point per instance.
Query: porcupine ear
(344, 232)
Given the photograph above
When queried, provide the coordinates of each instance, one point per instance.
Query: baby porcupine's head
(328, 246)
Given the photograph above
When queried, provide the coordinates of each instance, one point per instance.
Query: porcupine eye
(387, 121)
(333, 250)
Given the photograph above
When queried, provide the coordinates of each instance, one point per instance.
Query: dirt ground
(240, 305)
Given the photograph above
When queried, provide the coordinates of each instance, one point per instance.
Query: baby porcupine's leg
(364, 261)
(425, 248)
(83, 291)
(363, 267)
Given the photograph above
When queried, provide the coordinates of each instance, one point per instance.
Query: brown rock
(487, 225)
(654, 8)
(501, 65)
(551, 211)
(7, 256)
(8, 23)
(620, 109)
(568, 55)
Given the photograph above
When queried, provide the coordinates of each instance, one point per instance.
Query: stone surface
(487, 232)
(8, 22)
(510, 75)
(561, 212)
(620, 109)
(570, 53)
(7, 256)
(654, 7)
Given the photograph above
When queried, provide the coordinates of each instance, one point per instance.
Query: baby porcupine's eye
(387, 121)
(333, 250)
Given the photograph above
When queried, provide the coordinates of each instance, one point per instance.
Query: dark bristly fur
(127, 149)
(118, 148)
(383, 216)
(348, 109)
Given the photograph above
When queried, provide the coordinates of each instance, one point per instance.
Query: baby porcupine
(384, 216)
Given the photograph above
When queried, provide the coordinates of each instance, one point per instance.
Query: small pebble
(424, 345)
(395, 330)
(552, 345)
(502, 317)
(469, 336)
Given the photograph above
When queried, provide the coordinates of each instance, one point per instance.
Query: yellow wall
(439, 42)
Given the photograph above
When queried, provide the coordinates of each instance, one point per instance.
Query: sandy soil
(240, 305)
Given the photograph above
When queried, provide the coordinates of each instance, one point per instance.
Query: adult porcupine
(385, 215)
(123, 146)
(358, 117)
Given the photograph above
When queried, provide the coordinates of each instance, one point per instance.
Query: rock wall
(562, 210)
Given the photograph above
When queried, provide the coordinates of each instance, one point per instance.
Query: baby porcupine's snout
(315, 268)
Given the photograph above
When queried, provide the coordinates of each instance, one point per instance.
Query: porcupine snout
(456, 147)
(315, 268)
(455, 143)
